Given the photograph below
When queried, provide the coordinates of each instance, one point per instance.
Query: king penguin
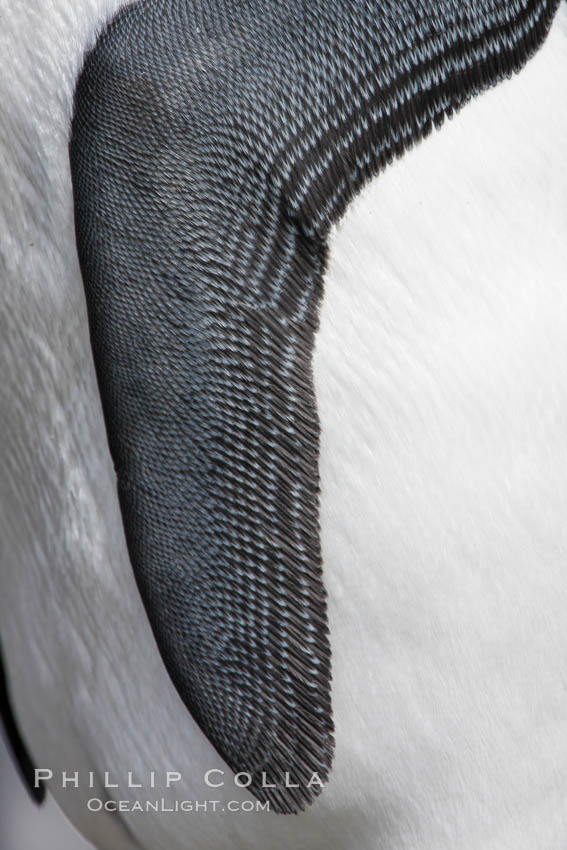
(283, 404)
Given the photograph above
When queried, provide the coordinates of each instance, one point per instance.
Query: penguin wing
(213, 147)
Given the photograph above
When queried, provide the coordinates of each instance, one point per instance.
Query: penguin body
(438, 377)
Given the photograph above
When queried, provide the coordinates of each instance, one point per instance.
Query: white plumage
(440, 369)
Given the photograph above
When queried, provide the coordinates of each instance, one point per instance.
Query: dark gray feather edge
(15, 741)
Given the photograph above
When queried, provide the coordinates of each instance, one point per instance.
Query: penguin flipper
(204, 368)
(213, 147)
